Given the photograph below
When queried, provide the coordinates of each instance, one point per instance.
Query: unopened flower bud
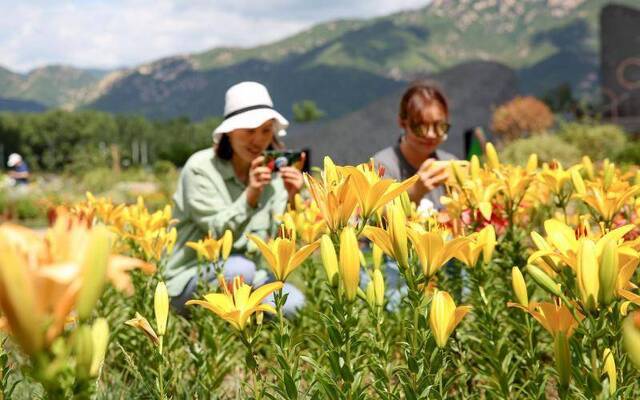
(543, 280)
(519, 287)
(609, 268)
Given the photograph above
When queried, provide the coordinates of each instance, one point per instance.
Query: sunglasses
(422, 130)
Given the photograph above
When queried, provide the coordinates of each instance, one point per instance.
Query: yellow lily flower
(514, 183)
(209, 249)
(432, 250)
(349, 262)
(393, 239)
(237, 306)
(554, 317)
(334, 195)
(373, 191)
(557, 178)
(307, 219)
(607, 195)
(281, 254)
(444, 316)
(603, 266)
(482, 242)
(43, 279)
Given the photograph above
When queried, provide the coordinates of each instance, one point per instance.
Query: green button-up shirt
(210, 198)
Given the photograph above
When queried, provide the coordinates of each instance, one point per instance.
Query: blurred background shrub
(522, 116)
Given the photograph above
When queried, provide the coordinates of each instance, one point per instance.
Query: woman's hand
(429, 178)
(259, 177)
(292, 178)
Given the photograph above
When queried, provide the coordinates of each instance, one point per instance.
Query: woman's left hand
(293, 179)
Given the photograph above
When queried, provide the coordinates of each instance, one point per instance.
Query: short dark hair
(419, 95)
(225, 151)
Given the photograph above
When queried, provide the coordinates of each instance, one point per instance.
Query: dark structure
(620, 64)
(473, 90)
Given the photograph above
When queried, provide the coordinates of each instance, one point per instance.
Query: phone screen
(276, 159)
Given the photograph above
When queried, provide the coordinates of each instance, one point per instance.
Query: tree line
(62, 140)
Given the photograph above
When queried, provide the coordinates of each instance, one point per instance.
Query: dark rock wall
(473, 90)
(620, 60)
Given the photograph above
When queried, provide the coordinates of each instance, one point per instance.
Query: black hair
(224, 150)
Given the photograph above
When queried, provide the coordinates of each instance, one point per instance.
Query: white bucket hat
(14, 159)
(247, 105)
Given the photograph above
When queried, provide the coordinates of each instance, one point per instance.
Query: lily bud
(370, 294)
(405, 202)
(83, 349)
(609, 173)
(377, 255)
(161, 308)
(587, 273)
(349, 262)
(588, 166)
(378, 286)
(329, 260)
(398, 231)
(457, 173)
(578, 183)
(100, 338)
(492, 156)
(444, 316)
(532, 163)
(488, 239)
(519, 287)
(609, 268)
(227, 244)
(543, 280)
(610, 369)
(475, 167)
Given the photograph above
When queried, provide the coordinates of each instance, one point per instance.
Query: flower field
(523, 287)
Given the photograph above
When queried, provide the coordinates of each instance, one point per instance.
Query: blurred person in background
(229, 187)
(424, 120)
(19, 170)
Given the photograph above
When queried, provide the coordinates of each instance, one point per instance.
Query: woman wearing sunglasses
(424, 119)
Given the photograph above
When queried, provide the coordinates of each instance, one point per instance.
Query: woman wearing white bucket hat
(228, 187)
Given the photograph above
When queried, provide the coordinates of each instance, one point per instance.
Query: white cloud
(108, 34)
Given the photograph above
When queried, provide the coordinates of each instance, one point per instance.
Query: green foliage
(28, 208)
(81, 140)
(548, 147)
(3, 201)
(630, 154)
(306, 111)
(98, 179)
(598, 141)
(560, 98)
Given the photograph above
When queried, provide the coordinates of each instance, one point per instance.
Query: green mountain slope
(345, 64)
(60, 86)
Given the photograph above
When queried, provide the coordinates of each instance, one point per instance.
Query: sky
(120, 33)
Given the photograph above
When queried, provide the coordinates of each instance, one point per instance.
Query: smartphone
(276, 159)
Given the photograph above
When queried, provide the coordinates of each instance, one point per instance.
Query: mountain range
(342, 65)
